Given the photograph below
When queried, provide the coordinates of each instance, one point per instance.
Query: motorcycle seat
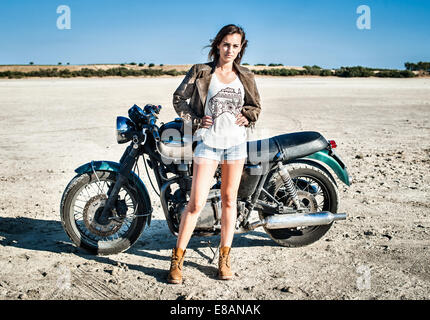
(278, 148)
(289, 146)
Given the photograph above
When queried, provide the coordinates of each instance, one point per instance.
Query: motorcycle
(286, 180)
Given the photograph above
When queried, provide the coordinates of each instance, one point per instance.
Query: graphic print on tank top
(224, 103)
(226, 100)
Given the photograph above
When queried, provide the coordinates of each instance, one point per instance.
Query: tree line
(87, 72)
(346, 72)
(420, 66)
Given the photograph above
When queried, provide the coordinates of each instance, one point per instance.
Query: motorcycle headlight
(124, 129)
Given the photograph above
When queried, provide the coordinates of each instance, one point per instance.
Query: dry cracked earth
(48, 127)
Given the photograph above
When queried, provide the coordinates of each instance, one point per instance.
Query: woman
(223, 101)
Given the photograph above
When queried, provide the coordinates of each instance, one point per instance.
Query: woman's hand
(241, 120)
(206, 122)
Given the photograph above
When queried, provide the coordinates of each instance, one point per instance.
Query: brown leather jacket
(195, 87)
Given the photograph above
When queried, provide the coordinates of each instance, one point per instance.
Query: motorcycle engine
(210, 216)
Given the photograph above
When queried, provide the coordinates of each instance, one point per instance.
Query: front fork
(128, 160)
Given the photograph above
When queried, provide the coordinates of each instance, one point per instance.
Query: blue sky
(296, 32)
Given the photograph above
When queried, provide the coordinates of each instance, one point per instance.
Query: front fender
(334, 162)
(115, 167)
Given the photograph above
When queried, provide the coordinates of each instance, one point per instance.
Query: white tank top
(224, 102)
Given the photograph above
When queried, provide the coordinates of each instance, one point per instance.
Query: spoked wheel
(317, 191)
(81, 207)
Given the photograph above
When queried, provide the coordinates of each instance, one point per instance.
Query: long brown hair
(226, 30)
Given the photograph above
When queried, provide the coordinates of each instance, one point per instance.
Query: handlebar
(146, 119)
(155, 134)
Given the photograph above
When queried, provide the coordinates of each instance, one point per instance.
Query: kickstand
(214, 252)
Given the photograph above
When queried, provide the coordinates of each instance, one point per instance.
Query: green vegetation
(259, 64)
(420, 66)
(316, 71)
(395, 74)
(345, 72)
(275, 64)
(86, 72)
(278, 72)
(358, 71)
(308, 70)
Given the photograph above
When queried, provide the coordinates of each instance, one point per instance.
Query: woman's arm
(182, 94)
(252, 107)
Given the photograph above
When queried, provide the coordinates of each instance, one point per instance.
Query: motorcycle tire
(81, 232)
(313, 176)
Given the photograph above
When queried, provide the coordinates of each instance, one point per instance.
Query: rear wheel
(317, 191)
(81, 207)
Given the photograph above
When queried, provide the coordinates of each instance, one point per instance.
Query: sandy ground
(48, 127)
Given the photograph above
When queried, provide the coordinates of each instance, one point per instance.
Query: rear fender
(331, 159)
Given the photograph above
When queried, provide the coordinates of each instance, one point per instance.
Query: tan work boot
(224, 271)
(175, 274)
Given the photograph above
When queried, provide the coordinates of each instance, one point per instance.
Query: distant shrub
(161, 64)
(151, 65)
(316, 71)
(326, 73)
(132, 63)
(278, 72)
(275, 64)
(357, 71)
(395, 74)
(259, 64)
(172, 72)
(31, 63)
(294, 72)
(141, 64)
(65, 73)
(245, 64)
(59, 63)
(420, 66)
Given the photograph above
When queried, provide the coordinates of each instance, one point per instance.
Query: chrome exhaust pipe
(281, 221)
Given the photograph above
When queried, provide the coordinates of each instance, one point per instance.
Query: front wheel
(81, 206)
(317, 191)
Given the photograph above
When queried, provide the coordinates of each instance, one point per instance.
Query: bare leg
(231, 172)
(203, 172)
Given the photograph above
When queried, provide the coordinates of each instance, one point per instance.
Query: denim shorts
(202, 150)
